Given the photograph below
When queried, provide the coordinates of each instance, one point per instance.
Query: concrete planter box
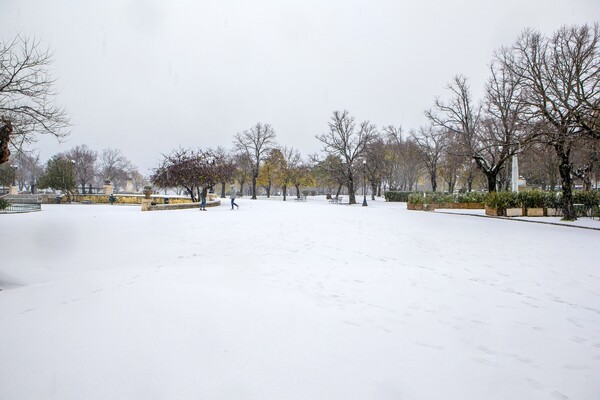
(494, 212)
(514, 212)
(535, 212)
(146, 204)
(460, 206)
(553, 212)
(420, 207)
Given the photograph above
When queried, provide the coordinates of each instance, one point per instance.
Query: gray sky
(146, 76)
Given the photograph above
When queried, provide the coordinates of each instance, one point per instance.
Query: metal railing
(21, 208)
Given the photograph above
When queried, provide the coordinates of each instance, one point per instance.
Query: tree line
(541, 102)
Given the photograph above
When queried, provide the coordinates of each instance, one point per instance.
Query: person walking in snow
(232, 197)
(203, 199)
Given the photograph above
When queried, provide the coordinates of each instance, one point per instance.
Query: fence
(21, 208)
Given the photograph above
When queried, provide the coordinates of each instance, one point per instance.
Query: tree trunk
(297, 191)
(254, 178)
(222, 190)
(351, 195)
(433, 178)
(373, 190)
(492, 180)
(567, 188)
(284, 189)
(5, 132)
(339, 190)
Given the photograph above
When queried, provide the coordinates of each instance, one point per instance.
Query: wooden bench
(336, 200)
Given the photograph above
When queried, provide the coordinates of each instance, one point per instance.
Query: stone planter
(535, 212)
(494, 212)
(514, 212)
(146, 204)
(553, 212)
(420, 207)
(460, 206)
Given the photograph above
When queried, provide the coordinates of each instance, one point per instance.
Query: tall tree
(291, 161)
(271, 170)
(561, 75)
(348, 142)
(243, 169)
(329, 173)
(376, 157)
(301, 175)
(85, 164)
(114, 167)
(59, 175)
(490, 133)
(27, 96)
(431, 143)
(255, 143)
(28, 170)
(225, 167)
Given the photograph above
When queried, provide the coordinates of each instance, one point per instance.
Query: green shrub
(552, 199)
(470, 197)
(502, 200)
(588, 198)
(397, 196)
(4, 204)
(532, 199)
(416, 198)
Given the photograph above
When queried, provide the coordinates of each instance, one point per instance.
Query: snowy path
(295, 301)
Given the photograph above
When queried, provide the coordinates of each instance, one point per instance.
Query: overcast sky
(146, 76)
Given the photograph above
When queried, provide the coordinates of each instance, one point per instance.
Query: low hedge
(539, 199)
(589, 198)
(524, 199)
(445, 198)
(397, 196)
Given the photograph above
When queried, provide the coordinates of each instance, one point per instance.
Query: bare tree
(28, 171)
(291, 162)
(114, 167)
(561, 76)
(27, 96)
(255, 143)
(376, 157)
(226, 167)
(403, 162)
(85, 164)
(243, 169)
(347, 142)
(492, 132)
(431, 143)
(329, 173)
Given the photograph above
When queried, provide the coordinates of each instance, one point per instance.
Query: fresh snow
(295, 300)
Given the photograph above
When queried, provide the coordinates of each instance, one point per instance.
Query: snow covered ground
(295, 300)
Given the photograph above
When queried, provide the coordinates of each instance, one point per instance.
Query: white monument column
(514, 178)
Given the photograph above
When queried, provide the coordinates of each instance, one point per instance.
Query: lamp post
(364, 183)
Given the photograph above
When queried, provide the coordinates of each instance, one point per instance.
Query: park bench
(336, 200)
(301, 198)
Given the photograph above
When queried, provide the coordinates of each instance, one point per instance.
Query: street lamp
(364, 183)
